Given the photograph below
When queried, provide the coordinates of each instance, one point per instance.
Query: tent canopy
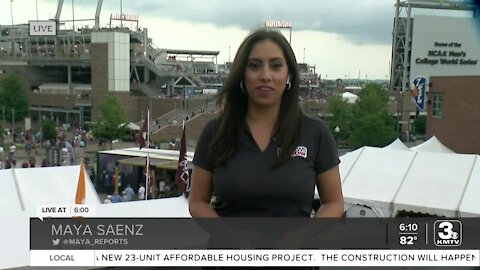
(25, 189)
(349, 97)
(132, 126)
(435, 184)
(29, 187)
(432, 145)
(389, 180)
(397, 144)
(376, 178)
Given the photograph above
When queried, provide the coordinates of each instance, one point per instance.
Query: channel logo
(447, 233)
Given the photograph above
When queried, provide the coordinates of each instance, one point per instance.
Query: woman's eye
(277, 65)
(253, 65)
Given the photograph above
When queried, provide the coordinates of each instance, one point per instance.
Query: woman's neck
(262, 116)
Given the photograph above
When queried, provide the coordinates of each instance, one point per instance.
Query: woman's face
(266, 74)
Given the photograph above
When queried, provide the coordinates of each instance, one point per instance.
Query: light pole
(73, 15)
(11, 11)
(304, 55)
(337, 132)
(13, 121)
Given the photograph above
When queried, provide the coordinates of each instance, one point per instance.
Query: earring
(289, 85)
(242, 87)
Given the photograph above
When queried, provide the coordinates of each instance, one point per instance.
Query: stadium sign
(42, 28)
(278, 24)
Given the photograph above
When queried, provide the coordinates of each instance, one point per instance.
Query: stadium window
(437, 101)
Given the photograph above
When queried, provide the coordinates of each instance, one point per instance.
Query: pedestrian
(108, 199)
(141, 192)
(129, 192)
(116, 198)
(161, 188)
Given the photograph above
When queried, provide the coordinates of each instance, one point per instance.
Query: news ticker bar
(253, 233)
(284, 258)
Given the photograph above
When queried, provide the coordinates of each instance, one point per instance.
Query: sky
(341, 38)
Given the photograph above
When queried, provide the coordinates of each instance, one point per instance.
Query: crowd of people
(36, 151)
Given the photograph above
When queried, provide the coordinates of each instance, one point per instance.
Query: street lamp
(337, 132)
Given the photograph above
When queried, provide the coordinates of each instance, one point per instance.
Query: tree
(14, 97)
(48, 130)
(111, 122)
(420, 124)
(372, 124)
(341, 114)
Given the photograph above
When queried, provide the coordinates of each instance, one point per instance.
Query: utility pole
(13, 121)
(73, 15)
(11, 11)
(304, 55)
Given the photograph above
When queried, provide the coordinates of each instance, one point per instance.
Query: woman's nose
(265, 73)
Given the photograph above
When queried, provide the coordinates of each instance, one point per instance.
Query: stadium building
(70, 71)
(446, 51)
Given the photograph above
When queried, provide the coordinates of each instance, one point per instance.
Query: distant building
(453, 112)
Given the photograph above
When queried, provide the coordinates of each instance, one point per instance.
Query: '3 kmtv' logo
(447, 233)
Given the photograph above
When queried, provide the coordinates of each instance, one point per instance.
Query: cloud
(360, 22)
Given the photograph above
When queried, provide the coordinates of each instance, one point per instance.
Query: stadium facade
(446, 51)
(69, 72)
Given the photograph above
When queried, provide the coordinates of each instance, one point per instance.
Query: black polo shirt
(247, 186)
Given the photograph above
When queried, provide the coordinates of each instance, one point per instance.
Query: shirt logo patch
(301, 151)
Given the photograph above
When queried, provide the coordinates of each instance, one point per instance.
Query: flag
(182, 176)
(143, 136)
(80, 195)
(419, 92)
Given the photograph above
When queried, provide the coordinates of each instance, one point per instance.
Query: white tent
(14, 240)
(435, 184)
(15, 247)
(349, 97)
(29, 187)
(24, 189)
(384, 181)
(470, 205)
(10, 199)
(168, 207)
(133, 126)
(347, 161)
(432, 145)
(376, 178)
(397, 144)
(46, 185)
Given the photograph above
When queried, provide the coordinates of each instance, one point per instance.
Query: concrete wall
(194, 128)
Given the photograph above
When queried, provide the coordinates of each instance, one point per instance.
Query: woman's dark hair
(233, 102)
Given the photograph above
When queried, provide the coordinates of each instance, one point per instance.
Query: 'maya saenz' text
(100, 229)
